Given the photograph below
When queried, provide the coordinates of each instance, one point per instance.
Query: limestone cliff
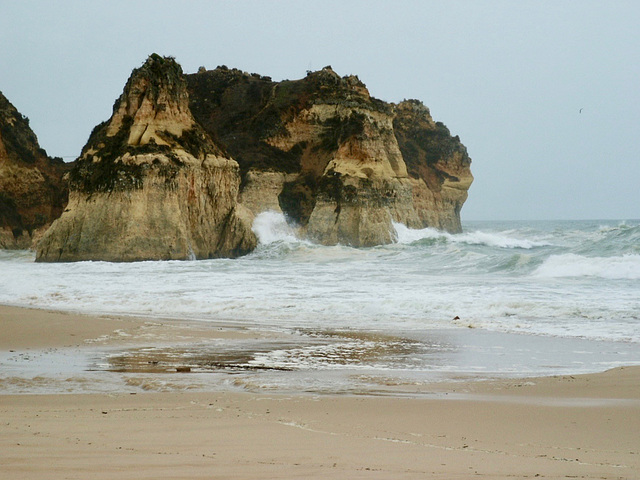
(437, 163)
(150, 184)
(32, 189)
(332, 157)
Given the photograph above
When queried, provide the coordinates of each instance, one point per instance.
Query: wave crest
(572, 265)
(272, 227)
(407, 235)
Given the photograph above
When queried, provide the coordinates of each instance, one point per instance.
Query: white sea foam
(411, 285)
(572, 265)
(546, 281)
(622, 226)
(407, 236)
(500, 240)
(271, 227)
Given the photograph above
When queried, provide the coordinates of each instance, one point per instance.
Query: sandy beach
(581, 426)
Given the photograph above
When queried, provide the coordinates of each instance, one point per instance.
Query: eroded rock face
(150, 184)
(353, 182)
(260, 190)
(32, 189)
(337, 156)
(438, 164)
(154, 183)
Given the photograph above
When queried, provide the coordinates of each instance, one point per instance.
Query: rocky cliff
(185, 161)
(437, 163)
(339, 163)
(32, 190)
(150, 184)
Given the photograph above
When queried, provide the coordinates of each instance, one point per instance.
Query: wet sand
(581, 426)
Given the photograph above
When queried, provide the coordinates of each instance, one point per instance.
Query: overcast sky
(544, 94)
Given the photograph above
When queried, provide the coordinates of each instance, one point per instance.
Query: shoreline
(46, 352)
(107, 344)
(553, 427)
(23, 326)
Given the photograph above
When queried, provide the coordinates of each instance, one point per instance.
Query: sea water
(501, 298)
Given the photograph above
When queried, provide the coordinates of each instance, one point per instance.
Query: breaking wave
(545, 278)
(572, 265)
(272, 227)
(409, 236)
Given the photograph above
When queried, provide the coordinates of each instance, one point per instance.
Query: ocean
(502, 298)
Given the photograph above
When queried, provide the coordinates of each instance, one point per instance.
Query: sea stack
(150, 184)
(340, 164)
(33, 192)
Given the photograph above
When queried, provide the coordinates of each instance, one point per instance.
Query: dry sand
(585, 426)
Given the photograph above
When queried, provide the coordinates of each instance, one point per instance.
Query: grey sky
(509, 77)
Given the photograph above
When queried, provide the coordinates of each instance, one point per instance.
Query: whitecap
(407, 235)
(572, 265)
(499, 240)
(271, 227)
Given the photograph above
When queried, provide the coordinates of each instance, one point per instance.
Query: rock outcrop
(331, 157)
(437, 163)
(32, 189)
(150, 184)
(186, 161)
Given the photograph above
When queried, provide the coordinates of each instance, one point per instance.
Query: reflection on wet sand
(313, 350)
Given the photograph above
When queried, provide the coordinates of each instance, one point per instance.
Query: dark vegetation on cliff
(241, 111)
(298, 196)
(104, 174)
(27, 203)
(160, 81)
(19, 140)
(103, 171)
(424, 143)
(235, 114)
